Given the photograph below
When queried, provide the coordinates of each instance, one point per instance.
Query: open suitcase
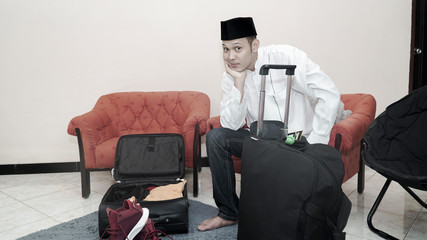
(144, 161)
(290, 189)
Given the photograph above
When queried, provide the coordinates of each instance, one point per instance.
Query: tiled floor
(38, 201)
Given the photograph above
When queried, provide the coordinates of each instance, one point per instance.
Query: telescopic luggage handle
(290, 71)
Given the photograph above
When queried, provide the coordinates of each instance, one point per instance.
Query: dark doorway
(417, 75)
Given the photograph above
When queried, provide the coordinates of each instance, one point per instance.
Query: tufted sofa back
(149, 112)
(125, 113)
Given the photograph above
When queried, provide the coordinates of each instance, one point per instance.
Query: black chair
(396, 147)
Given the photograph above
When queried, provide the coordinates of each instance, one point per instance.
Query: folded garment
(167, 192)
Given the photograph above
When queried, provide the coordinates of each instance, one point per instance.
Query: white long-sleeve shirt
(314, 97)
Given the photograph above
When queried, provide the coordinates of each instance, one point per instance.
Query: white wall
(57, 57)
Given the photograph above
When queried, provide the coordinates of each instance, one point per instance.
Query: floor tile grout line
(44, 195)
(42, 213)
(348, 195)
(415, 219)
(71, 186)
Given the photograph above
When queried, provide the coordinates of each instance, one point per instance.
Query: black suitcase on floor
(290, 190)
(144, 161)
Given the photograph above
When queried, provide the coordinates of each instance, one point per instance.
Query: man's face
(239, 54)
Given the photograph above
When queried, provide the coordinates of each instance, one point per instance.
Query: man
(315, 102)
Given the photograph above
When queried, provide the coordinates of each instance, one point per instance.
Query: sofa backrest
(149, 112)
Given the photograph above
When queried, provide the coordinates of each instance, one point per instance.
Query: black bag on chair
(395, 147)
(291, 191)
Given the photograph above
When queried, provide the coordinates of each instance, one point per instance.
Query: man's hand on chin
(237, 75)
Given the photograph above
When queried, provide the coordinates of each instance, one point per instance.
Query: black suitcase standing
(289, 190)
(143, 161)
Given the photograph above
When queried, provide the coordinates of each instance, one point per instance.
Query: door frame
(417, 77)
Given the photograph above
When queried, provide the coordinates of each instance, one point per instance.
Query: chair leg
(199, 155)
(415, 196)
(196, 160)
(195, 178)
(361, 177)
(85, 174)
(374, 209)
(361, 173)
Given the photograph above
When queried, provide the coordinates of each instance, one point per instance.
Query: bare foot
(214, 223)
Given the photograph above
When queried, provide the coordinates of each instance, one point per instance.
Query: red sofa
(117, 114)
(346, 135)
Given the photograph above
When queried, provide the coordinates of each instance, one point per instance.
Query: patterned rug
(86, 227)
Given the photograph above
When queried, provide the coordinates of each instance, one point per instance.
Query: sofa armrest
(96, 124)
(213, 122)
(195, 125)
(198, 113)
(354, 127)
(95, 127)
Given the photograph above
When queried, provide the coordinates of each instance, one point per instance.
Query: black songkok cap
(237, 28)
